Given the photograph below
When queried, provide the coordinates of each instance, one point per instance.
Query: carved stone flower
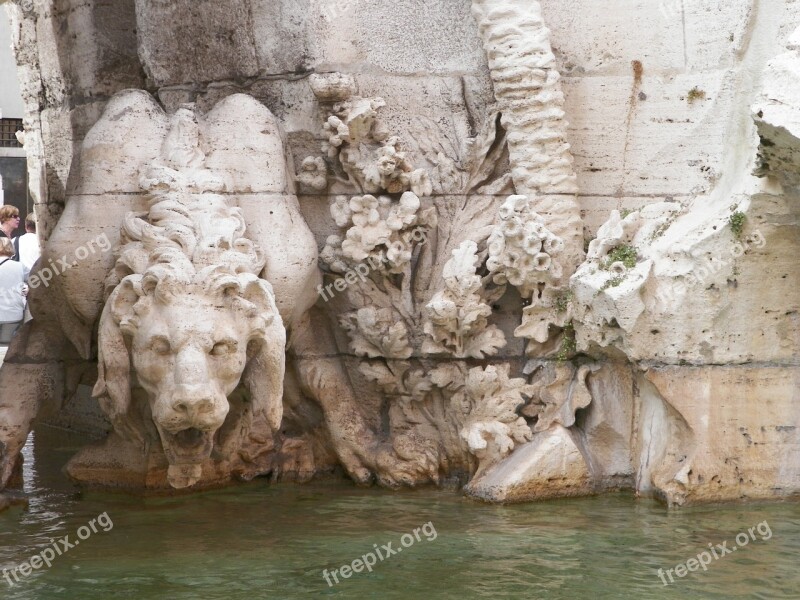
(313, 173)
(518, 248)
(421, 183)
(365, 210)
(331, 255)
(541, 262)
(537, 230)
(341, 212)
(513, 205)
(512, 258)
(514, 276)
(337, 133)
(618, 268)
(553, 245)
(404, 213)
(512, 227)
(362, 240)
(533, 244)
(398, 255)
(497, 243)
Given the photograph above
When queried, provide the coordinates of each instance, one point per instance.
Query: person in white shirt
(28, 245)
(13, 291)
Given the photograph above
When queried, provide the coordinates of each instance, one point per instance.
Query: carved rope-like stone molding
(528, 93)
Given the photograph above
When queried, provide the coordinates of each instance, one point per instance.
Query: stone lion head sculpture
(188, 320)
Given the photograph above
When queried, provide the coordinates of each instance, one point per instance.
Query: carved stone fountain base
(118, 463)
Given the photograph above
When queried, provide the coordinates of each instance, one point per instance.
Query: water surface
(274, 541)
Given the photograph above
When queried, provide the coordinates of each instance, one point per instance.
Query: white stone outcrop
(777, 115)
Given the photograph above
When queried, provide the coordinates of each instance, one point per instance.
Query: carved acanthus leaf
(488, 401)
(559, 390)
(377, 333)
(457, 317)
(390, 381)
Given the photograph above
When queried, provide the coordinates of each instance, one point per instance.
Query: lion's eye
(223, 348)
(161, 345)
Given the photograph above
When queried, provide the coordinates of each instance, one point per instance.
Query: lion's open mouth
(186, 451)
(190, 438)
(188, 446)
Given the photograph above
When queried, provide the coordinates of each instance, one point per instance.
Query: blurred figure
(9, 220)
(13, 291)
(27, 245)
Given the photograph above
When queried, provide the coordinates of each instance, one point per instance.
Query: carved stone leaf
(381, 374)
(366, 293)
(457, 318)
(473, 313)
(407, 414)
(430, 346)
(536, 322)
(363, 347)
(470, 218)
(486, 151)
(375, 333)
(521, 431)
(420, 451)
(487, 343)
(492, 427)
(493, 295)
(433, 143)
(450, 376)
(463, 262)
(377, 372)
(418, 383)
(558, 393)
(395, 344)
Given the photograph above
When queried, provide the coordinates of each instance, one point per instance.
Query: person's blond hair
(8, 212)
(6, 247)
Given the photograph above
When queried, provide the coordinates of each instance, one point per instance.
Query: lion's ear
(113, 390)
(263, 376)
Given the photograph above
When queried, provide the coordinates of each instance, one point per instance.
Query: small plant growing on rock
(613, 282)
(625, 254)
(569, 345)
(563, 302)
(737, 224)
(695, 94)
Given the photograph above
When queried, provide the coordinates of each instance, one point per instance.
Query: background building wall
(13, 164)
(10, 96)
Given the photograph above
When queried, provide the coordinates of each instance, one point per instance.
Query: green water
(273, 541)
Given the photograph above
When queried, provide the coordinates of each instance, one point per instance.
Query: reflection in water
(267, 541)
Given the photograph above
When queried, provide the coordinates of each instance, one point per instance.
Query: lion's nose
(196, 404)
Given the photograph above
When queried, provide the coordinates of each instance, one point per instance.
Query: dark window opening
(8, 130)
